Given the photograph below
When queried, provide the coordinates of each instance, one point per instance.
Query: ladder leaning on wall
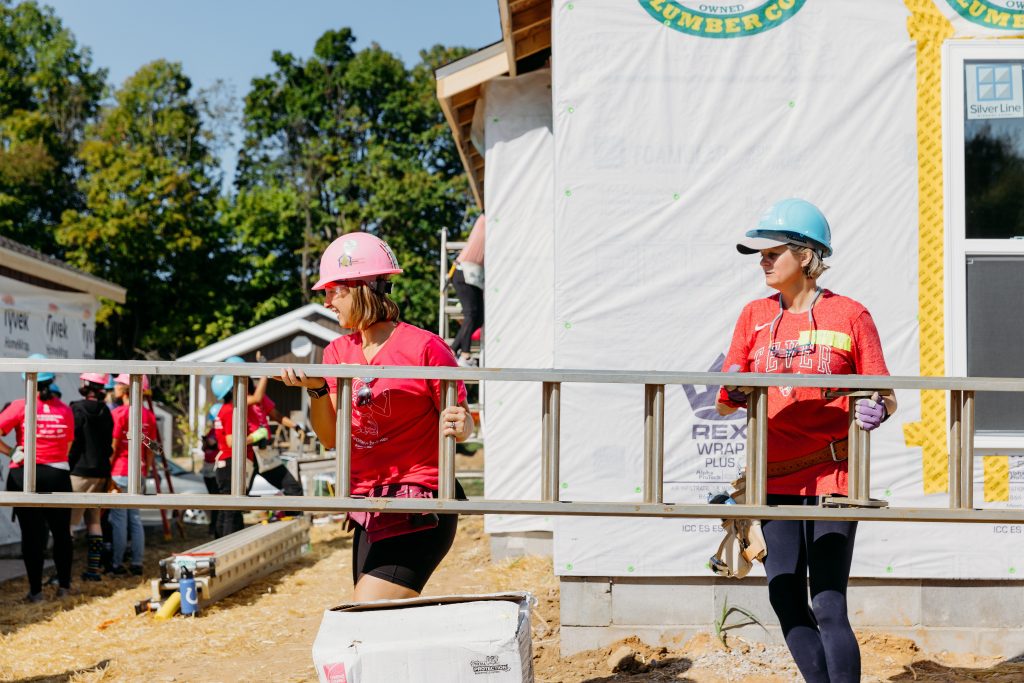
(450, 311)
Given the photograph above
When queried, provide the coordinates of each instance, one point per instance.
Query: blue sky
(233, 39)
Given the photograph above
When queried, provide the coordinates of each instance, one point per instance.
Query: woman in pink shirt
(395, 422)
(124, 521)
(55, 432)
(804, 329)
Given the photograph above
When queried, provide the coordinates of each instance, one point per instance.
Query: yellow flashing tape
(997, 478)
(836, 340)
(929, 28)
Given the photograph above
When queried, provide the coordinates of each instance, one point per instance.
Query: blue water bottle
(189, 593)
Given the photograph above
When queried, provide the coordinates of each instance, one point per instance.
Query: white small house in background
(296, 337)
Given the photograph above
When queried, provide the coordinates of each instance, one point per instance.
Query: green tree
(49, 90)
(362, 143)
(149, 222)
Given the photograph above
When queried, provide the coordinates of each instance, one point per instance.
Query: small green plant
(727, 610)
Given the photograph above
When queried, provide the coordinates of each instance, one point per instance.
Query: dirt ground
(265, 632)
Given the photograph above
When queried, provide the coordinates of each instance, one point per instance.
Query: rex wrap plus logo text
(720, 440)
(722, 19)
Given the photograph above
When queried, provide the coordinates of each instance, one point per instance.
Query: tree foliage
(49, 90)
(149, 222)
(361, 140)
(130, 191)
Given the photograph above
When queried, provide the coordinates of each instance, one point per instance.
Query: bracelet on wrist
(319, 392)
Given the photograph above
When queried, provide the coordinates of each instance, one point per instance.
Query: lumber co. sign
(714, 20)
(998, 14)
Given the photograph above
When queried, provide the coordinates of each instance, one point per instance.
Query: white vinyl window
(983, 145)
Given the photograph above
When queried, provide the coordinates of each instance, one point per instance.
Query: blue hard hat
(790, 221)
(54, 389)
(221, 385)
(42, 376)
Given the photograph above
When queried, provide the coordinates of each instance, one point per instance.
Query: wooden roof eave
(458, 90)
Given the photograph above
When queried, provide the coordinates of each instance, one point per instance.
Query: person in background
(209, 469)
(804, 329)
(230, 521)
(268, 464)
(258, 397)
(125, 522)
(55, 432)
(469, 287)
(395, 422)
(90, 463)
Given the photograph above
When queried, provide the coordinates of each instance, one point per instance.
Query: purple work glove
(735, 394)
(870, 412)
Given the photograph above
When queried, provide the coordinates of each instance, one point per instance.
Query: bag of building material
(455, 638)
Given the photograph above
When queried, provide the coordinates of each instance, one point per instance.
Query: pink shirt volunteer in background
(119, 465)
(55, 429)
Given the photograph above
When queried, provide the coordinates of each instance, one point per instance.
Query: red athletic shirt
(224, 427)
(394, 437)
(119, 467)
(55, 429)
(263, 410)
(800, 421)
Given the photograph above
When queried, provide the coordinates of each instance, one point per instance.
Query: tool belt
(834, 452)
(743, 544)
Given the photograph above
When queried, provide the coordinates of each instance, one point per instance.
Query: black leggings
(818, 635)
(38, 523)
(472, 300)
(407, 560)
(228, 521)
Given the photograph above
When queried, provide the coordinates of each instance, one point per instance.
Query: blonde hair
(816, 266)
(369, 306)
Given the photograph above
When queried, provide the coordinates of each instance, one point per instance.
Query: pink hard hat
(125, 379)
(94, 377)
(355, 256)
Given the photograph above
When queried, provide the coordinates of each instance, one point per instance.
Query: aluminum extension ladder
(961, 445)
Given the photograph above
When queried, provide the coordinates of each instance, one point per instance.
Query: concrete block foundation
(980, 617)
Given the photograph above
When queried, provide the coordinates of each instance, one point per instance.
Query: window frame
(958, 248)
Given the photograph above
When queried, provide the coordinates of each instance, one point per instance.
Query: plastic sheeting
(516, 120)
(38, 320)
(671, 136)
(984, 18)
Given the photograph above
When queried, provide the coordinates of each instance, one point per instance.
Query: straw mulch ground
(265, 632)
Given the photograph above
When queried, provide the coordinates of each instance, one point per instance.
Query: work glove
(17, 455)
(735, 393)
(870, 412)
(259, 437)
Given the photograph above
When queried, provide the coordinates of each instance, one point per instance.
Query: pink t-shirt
(55, 429)
(119, 466)
(224, 427)
(394, 435)
(800, 421)
(263, 410)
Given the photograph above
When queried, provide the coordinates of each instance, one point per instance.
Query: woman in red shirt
(806, 330)
(125, 522)
(395, 422)
(55, 432)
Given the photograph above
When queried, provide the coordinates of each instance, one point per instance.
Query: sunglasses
(364, 394)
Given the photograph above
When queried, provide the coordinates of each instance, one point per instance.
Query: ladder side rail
(135, 484)
(31, 403)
